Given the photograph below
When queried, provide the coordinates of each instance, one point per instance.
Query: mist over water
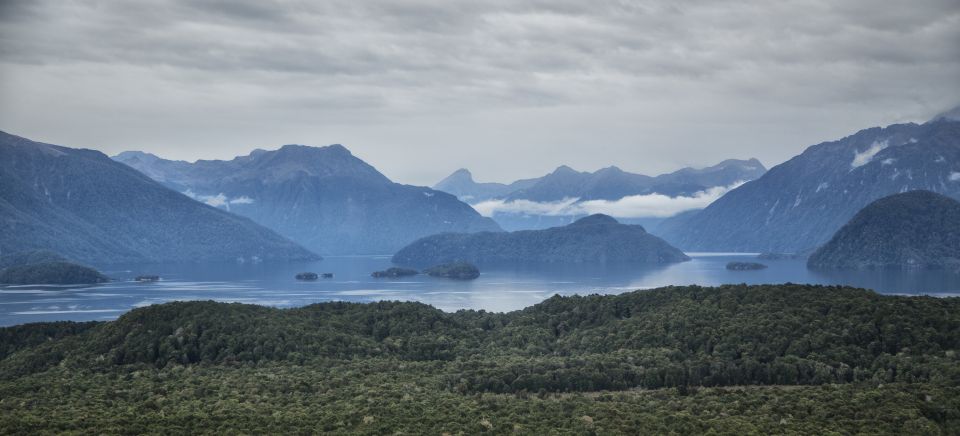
(499, 288)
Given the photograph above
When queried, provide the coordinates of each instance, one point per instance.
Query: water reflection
(499, 288)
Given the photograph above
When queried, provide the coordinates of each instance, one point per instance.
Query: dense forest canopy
(699, 342)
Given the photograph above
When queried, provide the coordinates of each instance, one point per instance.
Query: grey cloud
(544, 80)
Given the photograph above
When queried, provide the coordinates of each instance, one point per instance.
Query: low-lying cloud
(632, 206)
(861, 158)
(219, 200)
(490, 208)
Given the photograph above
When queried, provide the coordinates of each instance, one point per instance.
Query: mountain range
(565, 195)
(461, 184)
(799, 204)
(594, 239)
(322, 197)
(83, 205)
(609, 183)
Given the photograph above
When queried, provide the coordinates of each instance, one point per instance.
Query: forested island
(455, 270)
(912, 230)
(596, 239)
(45, 267)
(734, 359)
(745, 266)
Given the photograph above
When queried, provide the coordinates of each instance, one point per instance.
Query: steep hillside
(799, 204)
(91, 209)
(913, 230)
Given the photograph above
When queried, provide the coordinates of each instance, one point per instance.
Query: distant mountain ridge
(322, 197)
(556, 198)
(913, 230)
(594, 239)
(87, 207)
(799, 204)
(610, 183)
(461, 184)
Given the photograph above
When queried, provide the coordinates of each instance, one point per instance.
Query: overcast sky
(507, 89)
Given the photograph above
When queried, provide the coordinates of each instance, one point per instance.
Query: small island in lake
(307, 276)
(745, 266)
(455, 270)
(394, 272)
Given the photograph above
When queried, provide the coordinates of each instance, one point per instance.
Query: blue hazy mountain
(913, 230)
(322, 197)
(609, 183)
(594, 239)
(83, 205)
(799, 204)
(461, 184)
(522, 204)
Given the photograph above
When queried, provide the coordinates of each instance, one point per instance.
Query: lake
(498, 288)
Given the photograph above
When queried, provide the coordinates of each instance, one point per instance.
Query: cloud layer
(467, 83)
(633, 206)
(219, 200)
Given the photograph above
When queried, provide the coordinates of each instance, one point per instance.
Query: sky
(507, 89)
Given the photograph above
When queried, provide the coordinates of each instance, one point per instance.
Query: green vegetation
(394, 272)
(912, 230)
(595, 239)
(689, 360)
(51, 273)
(45, 267)
(456, 270)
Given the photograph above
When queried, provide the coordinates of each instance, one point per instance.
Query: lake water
(498, 289)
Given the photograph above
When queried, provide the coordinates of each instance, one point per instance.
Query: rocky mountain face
(594, 239)
(800, 204)
(91, 209)
(322, 197)
(913, 230)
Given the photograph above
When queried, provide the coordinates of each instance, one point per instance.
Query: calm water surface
(498, 289)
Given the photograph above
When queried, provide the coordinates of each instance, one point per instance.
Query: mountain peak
(612, 169)
(564, 170)
(332, 148)
(462, 174)
(143, 156)
(595, 219)
(455, 182)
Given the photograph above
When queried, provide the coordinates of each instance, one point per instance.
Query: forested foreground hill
(733, 359)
